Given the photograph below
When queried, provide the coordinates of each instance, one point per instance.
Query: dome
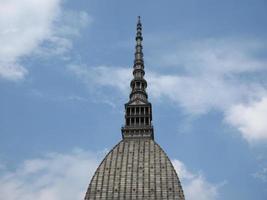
(135, 169)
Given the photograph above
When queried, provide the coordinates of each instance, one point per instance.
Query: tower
(138, 112)
(137, 167)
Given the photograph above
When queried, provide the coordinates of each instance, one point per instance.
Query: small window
(147, 122)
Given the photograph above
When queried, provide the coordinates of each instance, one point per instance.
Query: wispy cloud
(195, 185)
(106, 83)
(250, 119)
(103, 76)
(219, 56)
(55, 176)
(227, 75)
(26, 30)
(262, 174)
(57, 97)
(212, 73)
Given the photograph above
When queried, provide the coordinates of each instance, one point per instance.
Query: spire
(139, 39)
(138, 83)
(138, 111)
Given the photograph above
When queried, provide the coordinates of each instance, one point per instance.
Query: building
(137, 167)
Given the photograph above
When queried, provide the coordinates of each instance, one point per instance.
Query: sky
(65, 70)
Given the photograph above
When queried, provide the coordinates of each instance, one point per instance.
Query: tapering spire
(138, 111)
(138, 84)
(138, 48)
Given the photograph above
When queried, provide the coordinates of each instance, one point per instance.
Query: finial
(139, 21)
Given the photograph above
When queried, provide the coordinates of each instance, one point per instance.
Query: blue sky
(65, 69)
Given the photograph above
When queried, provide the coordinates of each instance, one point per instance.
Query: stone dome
(135, 169)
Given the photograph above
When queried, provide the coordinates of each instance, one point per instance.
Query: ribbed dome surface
(135, 169)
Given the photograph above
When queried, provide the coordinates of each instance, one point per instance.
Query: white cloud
(222, 75)
(105, 83)
(12, 71)
(28, 27)
(103, 76)
(54, 177)
(195, 186)
(250, 119)
(262, 174)
(194, 94)
(216, 56)
(212, 74)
